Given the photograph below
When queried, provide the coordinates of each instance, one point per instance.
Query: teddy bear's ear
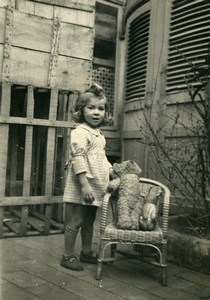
(135, 167)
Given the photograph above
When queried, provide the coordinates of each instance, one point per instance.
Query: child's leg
(73, 221)
(87, 228)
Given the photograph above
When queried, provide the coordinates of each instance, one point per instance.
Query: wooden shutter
(189, 41)
(137, 57)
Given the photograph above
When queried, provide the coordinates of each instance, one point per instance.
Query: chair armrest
(166, 203)
(104, 212)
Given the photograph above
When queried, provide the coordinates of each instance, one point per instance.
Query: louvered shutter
(188, 42)
(137, 57)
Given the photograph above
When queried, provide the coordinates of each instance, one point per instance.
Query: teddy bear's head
(126, 167)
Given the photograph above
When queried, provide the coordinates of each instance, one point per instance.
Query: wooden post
(13, 162)
(54, 52)
(7, 42)
(50, 158)
(27, 161)
(5, 103)
(4, 135)
(207, 125)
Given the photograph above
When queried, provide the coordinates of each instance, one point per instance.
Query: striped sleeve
(79, 146)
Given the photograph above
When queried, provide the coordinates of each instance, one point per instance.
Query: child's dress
(87, 155)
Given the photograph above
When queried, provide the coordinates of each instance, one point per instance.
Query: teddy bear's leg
(134, 218)
(124, 221)
(135, 213)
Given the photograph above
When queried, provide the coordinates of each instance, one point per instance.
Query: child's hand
(86, 189)
(87, 193)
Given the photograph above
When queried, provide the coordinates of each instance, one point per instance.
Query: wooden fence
(33, 153)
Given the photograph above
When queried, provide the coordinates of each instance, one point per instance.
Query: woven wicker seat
(156, 239)
(113, 233)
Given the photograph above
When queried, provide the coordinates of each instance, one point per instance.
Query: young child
(88, 176)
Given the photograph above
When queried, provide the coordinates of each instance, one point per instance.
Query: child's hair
(83, 99)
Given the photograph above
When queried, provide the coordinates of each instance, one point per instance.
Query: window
(104, 50)
(138, 39)
(188, 42)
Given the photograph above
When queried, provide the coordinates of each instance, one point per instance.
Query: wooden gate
(33, 153)
(43, 62)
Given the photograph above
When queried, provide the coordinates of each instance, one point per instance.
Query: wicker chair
(156, 239)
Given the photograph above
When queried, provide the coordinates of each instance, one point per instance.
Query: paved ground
(30, 270)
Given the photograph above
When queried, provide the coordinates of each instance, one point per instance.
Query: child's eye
(101, 108)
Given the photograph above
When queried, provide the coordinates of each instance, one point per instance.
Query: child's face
(94, 111)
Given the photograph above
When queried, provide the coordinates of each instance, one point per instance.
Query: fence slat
(13, 226)
(1, 220)
(31, 221)
(27, 161)
(26, 179)
(51, 138)
(4, 135)
(54, 52)
(6, 63)
(29, 200)
(5, 99)
(13, 163)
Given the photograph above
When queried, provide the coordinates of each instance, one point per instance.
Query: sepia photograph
(105, 154)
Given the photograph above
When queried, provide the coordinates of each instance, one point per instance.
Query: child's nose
(96, 111)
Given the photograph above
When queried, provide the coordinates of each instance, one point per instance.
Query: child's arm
(86, 189)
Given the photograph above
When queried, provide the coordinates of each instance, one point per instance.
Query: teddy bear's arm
(113, 185)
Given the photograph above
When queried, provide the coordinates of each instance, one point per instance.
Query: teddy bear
(135, 211)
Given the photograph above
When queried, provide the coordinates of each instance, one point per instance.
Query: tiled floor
(30, 269)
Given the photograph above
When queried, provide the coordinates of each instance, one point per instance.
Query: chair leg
(100, 260)
(164, 267)
(113, 248)
(99, 270)
(164, 276)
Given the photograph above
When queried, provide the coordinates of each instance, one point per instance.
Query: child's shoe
(90, 258)
(71, 262)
